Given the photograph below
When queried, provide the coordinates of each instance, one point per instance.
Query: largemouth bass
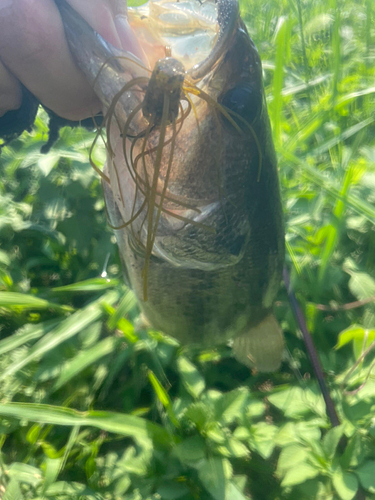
(191, 182)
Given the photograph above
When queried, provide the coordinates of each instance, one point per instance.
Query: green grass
(91, 409)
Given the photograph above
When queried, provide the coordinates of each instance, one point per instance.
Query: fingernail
(128, 39)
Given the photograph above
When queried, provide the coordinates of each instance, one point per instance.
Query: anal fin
(260, 346)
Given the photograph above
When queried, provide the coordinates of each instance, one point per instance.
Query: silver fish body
(215, 221)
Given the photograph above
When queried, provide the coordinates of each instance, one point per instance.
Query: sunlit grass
(92, 408)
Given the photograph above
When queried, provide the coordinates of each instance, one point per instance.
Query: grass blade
(163, 397)
(118, 423)
(92, 285)
(67, 328)
(84, 359)
(26, 334)
(10, 300)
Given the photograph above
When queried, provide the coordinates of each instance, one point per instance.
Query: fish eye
(244, 101)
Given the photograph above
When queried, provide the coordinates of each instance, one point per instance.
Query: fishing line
(302, 381)
(111, 109)
(91, 160)
(311, 350)
(356, 391)
(357, 363)
(169, 168)
(153, 197)
(151, 203)
(107, 124)
(226, 112)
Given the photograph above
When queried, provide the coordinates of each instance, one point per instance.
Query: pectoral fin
(261, 346)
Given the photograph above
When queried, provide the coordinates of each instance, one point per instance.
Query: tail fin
(261, 346)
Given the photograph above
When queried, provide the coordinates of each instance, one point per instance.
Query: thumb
(109, 19)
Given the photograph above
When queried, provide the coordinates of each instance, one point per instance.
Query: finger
(128, 41)
(100, 16)
(109, 19)
(34, 49)
(10, 91)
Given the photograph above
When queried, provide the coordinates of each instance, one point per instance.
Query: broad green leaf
(316, 489)
(240, 481)
(173, 490)
(290, 457)
(199, 414)
(262, 438)
(122, 485)
(299, 474)
(366, 392)
(299, 432)
(133, 462)
(47, 162)
(354, 332)
(297, 401)
(362, 285)
(190, 450)
(234, 493)
(118, 423)
(354, 452)
(191, 378)
(25, 473)
(255, 408)
(345, 483)
(242, 433)
(231, 405)
(366, 475)
(331, 440)
(359, 411)
(233, 448)
(71, 489)
(52, 470)
(212, 476)
(66, 329)
(215, 432)
(13, 491)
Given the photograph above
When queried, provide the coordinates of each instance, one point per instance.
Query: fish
(191, 180)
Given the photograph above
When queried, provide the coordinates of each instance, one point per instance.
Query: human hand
(34, 51)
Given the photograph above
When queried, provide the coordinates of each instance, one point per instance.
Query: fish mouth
(194, 32)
